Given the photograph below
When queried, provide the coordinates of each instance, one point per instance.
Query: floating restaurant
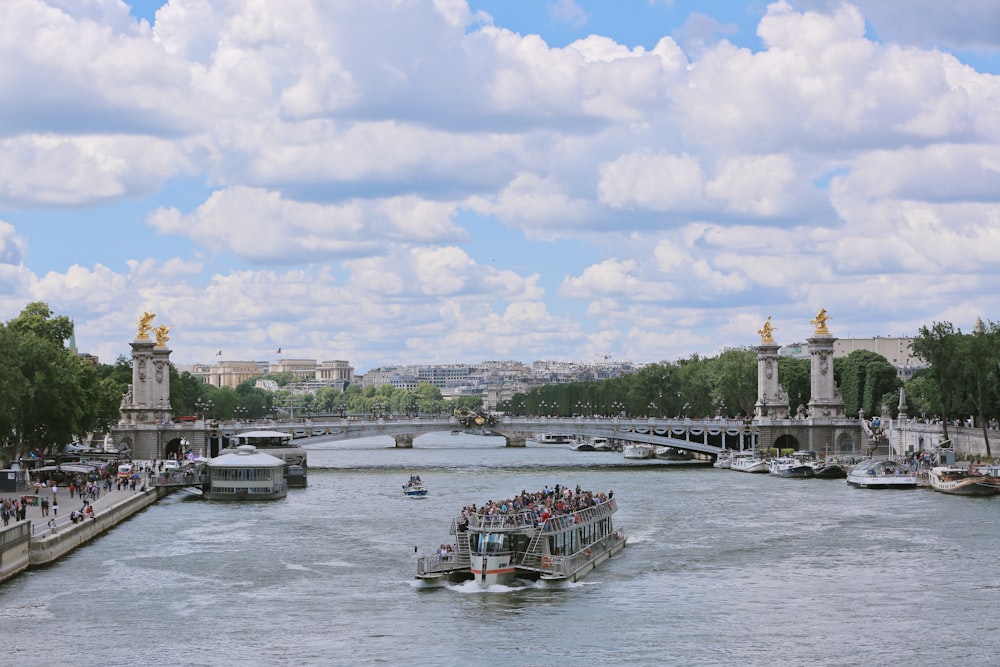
(245, 474)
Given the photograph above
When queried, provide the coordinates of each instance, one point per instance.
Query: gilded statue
(161, 335)
(820, 322)
(145, 325)
(766, 332)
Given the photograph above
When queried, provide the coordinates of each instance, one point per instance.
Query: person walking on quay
(45, 506)
(4, 514)
(55, 507)
(55, 491)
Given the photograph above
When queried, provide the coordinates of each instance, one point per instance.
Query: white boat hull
(749, 465)
(493, 569)
(637, 452)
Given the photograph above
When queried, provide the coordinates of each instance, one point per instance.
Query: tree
(864, 378)
(49, 396)
(938, 346)
(734, 377)
(37, 319)
(794, 377)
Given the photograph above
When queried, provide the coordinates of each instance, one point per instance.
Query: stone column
(772, 401)
(148, 398)
(825, 401)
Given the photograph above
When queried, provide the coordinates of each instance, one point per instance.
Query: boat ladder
(464, 551)
(532, 558)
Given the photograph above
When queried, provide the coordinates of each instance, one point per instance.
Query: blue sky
(420, 181)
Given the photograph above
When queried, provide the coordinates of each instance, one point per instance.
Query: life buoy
(588, 552)
(546, 561)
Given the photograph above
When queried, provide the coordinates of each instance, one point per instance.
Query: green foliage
(865, 379)
(793, 375)
(49, 397)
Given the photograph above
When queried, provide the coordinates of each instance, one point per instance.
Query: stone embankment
(32, 543)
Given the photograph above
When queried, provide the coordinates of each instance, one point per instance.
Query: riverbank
(33, 543)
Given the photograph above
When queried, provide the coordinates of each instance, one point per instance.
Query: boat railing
(564, 566)
(520, 520)
(442, 563)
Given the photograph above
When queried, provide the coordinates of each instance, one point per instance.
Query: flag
(279, 351)
(219, 353)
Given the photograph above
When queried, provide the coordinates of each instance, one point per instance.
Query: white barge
(548, 536)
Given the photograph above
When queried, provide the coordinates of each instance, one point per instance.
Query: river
(722, 568)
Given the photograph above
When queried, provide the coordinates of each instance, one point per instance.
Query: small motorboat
(415, 487)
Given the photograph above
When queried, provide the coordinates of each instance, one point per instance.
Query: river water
(722, 568)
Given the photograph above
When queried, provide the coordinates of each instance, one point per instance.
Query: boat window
(493, 543)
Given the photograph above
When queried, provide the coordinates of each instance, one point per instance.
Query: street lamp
(240, 413)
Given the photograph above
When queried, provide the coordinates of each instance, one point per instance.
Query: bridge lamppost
(204, 408)
(343, 410)
(240, 413)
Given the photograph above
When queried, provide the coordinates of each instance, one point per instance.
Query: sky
(397, 182)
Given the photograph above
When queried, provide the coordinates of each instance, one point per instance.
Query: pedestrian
(55, 507)
(52, 525)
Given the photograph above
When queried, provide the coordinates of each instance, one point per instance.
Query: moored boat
(637, 450)
(553, 438)
(882, 474)
(748, 462)
(829, 469)
(961, 482)
(552, 536)
(415, 487)
(798, 465)
(724, 461)
(679, 457)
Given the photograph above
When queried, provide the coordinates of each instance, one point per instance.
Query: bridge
(704, 436)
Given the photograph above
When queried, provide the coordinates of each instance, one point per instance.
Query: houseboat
(245, 474)
(555, 536)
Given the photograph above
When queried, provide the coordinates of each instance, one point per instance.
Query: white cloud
(350, 149)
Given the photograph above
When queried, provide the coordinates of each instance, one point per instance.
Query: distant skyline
(400, 182)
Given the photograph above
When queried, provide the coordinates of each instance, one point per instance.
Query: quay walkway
(44, 545)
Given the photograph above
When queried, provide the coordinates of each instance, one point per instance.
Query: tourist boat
(277, 444)
(797, 465)
(748, 461)
(882, 474)
(415, 487)
(637, 450)
(537, 543)
(961, 482)
(245, 474)
(724, 460)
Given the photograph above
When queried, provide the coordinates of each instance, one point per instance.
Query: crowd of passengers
(550, 507)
